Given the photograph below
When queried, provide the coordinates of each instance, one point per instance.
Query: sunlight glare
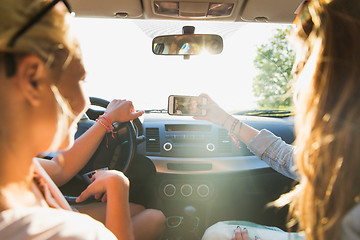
(120, 64)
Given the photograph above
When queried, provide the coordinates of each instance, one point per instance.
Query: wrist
(118, 181)
(105, 125)
(117, 188)
(229, 122)
(106, 122)
(234, 131)
(225, 119)
(109, 117)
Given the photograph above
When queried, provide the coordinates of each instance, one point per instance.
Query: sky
(120, 64)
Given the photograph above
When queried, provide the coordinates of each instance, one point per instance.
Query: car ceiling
(275, 11)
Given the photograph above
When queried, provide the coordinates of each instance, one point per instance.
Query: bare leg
(148, 224)
(136, 209)
(96, 210)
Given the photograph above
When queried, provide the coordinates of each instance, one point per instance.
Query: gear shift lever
(191, 222)
(190, 211)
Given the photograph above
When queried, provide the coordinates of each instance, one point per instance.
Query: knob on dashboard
(210, 147)
(169, 190)
(203, 190)
(167, 146)
(186, 190)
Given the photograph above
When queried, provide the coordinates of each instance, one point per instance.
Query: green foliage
(274, 62)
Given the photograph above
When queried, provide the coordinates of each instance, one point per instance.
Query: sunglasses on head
(10, 63)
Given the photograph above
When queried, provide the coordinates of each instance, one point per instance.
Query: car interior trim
(218, 165)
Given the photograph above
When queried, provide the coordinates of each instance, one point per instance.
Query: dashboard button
(186, 190)
(210, 147)
(169, 190)
(167, 146)
(203, 190)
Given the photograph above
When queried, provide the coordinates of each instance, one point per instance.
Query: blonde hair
(50, 38)
(328, 118)
(40, 39)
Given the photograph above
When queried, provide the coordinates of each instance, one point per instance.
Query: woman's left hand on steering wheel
(121, 111)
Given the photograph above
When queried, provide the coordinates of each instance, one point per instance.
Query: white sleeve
(50, 224)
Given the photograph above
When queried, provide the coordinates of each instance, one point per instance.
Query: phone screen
(187, 105)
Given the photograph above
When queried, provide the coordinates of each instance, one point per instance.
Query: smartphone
(187, 105)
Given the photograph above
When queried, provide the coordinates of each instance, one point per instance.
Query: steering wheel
(116, 151)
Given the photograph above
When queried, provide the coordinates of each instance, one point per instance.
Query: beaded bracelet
(106, 127)
(109, 127)
(106, 119)
(232, 134)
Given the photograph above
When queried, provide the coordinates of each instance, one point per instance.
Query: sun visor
(107, 8)
(276, 11)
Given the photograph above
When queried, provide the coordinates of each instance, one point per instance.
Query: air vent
(152, 140)
(224, 142)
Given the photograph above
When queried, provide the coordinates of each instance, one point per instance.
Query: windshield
(120, 63)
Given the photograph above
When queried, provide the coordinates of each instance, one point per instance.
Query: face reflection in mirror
(191, 44)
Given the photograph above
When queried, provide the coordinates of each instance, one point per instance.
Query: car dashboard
(182, 145)
(198, 166)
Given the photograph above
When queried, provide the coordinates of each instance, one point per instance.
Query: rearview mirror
(187, 44)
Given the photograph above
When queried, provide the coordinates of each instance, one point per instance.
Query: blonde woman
(148, 224)
(41, 98)
(325, 204)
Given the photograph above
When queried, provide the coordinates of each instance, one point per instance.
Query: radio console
(194, 140)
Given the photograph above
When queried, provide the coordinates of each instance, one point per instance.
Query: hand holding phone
(187, 105)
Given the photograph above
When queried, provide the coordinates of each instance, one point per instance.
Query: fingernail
(238, 227)
(77, 200)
